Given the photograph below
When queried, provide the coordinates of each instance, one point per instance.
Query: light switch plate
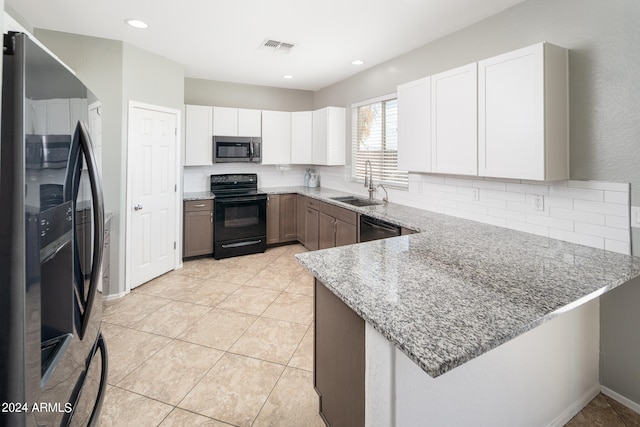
(635, 216)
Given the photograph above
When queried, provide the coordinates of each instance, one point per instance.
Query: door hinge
(175, 188)
(174, 245)
(175, 131)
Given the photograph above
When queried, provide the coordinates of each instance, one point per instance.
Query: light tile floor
(217, 343)
(230, 342)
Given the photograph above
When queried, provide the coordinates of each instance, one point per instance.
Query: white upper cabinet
(225, 121)
(454, 119)
(302, 137)
(236, 121)
(414, 126)
(328, 146)
(276, 138)
(249, 122)
(523, 114)
(198, 135)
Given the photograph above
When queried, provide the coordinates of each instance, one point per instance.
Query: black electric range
(240, 215)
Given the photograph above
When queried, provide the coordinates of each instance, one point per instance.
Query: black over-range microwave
(229, 149)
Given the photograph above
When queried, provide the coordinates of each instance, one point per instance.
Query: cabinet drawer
(337, 212)
(310, 203)
(198, 205)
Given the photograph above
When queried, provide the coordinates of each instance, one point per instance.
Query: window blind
(375, 138)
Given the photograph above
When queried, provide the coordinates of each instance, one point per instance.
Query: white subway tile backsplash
(488, 219)
(599, 185)
(506, 195)
(618, 197)
(617, 222)
(617, 246)
(507, 214)
(557, 223)
(570, 214)
(458, 213)
(590, 213)
(528, 228)
(601, 207)
(528, 188)
(581, 239)
(577, 193)
(558, 202)
(600, 231)
(472, 207)
(458, 181)
(490, 185)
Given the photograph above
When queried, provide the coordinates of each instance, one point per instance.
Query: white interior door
(152, 148)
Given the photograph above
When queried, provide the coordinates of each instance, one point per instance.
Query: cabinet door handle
(199, 206)
(211, 217)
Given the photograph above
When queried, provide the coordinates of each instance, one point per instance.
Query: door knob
(137, 207)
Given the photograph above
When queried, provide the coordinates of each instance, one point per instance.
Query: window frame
(396, 184)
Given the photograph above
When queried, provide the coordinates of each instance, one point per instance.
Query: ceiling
(219, 39)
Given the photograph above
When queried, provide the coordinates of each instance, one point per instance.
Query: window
(375, 138)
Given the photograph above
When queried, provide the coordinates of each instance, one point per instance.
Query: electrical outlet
(538, 202)
(475, 195)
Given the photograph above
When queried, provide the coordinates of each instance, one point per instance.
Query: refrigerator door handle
(95, 414)
(98, 221)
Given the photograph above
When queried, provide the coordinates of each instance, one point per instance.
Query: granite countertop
(459, 288)
(197, 195)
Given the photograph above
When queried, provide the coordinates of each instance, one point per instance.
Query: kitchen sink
(356, 201)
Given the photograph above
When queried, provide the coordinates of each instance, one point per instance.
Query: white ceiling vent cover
(277, 46)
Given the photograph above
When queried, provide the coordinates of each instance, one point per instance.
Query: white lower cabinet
(454, 119)
(524, 114)
(414, 126)
(276, 138)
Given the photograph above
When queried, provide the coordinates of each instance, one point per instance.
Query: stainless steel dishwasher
(374, 229)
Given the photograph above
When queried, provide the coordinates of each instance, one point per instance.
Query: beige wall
(223, 94)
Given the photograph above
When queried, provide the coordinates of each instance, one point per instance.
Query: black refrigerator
(53, 358)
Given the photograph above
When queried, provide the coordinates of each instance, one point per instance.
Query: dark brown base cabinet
(288, 218)
(328, 226)
(273, 219)
(282, 218)
(339, 360)
(198, 228)
(300, 224)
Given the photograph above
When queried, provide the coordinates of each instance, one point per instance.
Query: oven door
(238, 219)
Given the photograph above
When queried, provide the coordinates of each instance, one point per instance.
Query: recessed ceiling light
(357, 62)
(288, 76)
(136, 23)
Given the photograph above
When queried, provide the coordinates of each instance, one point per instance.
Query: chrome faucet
(368, 179)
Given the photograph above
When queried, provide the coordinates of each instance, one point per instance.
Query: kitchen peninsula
(503, 321)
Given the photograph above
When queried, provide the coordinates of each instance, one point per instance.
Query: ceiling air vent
(277, 46)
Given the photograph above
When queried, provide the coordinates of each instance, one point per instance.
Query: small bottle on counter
(307, 177)
(314, 181)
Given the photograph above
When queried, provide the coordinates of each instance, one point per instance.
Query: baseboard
(566, 415)
(621, 399)
(114, 296)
